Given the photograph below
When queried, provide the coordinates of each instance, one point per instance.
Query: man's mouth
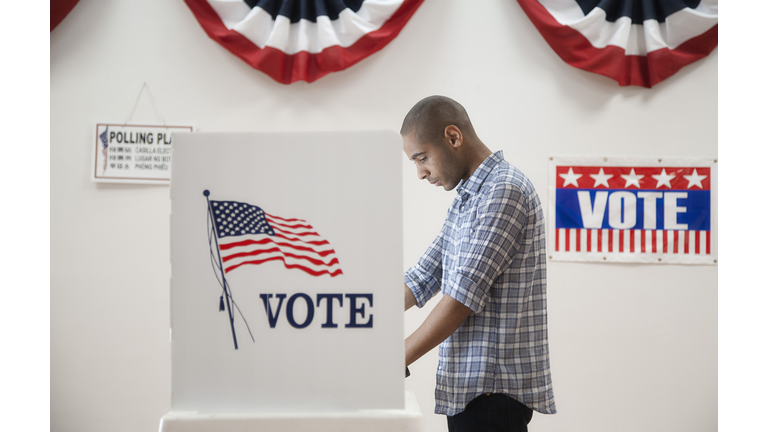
(436, 183)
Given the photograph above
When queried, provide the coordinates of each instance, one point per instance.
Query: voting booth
(286, 298)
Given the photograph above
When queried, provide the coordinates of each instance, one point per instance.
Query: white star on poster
(601, 178)
(632, 178)
(695, 179)
(663, 179)
(571, 178)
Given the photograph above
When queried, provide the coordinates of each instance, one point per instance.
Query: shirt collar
(472, 185)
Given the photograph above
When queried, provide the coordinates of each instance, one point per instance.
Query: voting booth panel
(286, 253)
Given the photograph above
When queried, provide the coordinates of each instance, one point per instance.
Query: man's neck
(479, 154)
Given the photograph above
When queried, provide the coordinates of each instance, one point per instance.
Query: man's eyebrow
(415, 155)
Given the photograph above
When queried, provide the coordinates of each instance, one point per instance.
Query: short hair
(431, 115)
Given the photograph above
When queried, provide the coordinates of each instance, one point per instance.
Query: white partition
(331, 340)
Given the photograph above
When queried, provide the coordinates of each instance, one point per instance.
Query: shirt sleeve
(425, 277)
(489, 247)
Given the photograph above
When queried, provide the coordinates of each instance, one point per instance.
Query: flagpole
(223, 279)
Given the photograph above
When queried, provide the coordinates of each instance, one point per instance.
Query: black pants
(492, 412)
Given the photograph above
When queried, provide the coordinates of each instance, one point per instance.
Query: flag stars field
(601, 178)
(632, 179)
(612, 177)
(571, 178)
(695, 179)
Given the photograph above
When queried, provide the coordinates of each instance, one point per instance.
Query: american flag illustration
(650, 213)
(105, 146)
(248, 235)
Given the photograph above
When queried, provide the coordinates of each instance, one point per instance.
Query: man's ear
(453, 136)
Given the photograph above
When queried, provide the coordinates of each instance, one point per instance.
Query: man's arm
(444, 319)
(502, 217)
(410, 299)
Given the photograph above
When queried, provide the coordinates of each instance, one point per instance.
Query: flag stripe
(708, 252)
(610, 241)
(698, 238)
(677, 241)
(256, 252)
(268, 240)
(577, 234)
(589, 240)
(305, 260)
(599, 240)
(293, 231)
(621, 240)
(300, 234)
(284, 225)
(284, 219)
(336, 272)
(300, 258)
(256, 242)
(313, 242)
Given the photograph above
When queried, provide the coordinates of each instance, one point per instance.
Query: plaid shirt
(490, 255)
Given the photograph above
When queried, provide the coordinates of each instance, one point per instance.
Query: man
(489, 260)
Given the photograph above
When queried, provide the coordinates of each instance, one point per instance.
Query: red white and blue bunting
(59, 10)
(635, 42)
(302, 40)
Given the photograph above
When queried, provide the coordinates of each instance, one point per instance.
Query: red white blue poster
(633, 210)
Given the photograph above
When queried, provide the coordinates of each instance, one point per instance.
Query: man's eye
(422, 159)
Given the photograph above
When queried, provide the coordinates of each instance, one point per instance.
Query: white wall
(634, 348)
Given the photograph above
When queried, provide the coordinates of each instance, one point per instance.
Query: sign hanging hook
(151, 99)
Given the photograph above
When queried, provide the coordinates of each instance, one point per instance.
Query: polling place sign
(142, 154)
(633, 210)
(286, 256)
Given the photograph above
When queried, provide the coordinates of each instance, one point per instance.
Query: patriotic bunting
(302, 40)
(635, 42)
(633, 210)
(59, 10)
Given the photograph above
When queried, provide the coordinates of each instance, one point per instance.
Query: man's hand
(444, 319)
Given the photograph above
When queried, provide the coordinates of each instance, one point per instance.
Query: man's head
(439, 138)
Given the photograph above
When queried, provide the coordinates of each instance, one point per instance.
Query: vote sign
(286, 256)
(645, 210)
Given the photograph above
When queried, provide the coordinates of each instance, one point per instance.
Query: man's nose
(421, 173)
